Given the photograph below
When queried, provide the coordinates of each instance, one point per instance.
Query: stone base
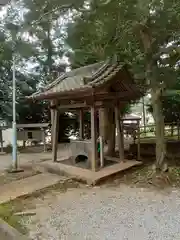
(86, 175)
(15, 170)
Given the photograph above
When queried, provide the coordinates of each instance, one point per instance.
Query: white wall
(36, 134)
(7, 137)
(21, 135)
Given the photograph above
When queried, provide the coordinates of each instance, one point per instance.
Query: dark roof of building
(131, 117)
(85, 79)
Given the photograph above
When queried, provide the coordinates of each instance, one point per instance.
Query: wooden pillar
(52, 121)
(101, 142)
(55, 131)
(102, 123)
(138, 141)
(94, 154)
(81, 124)
(24, 143)
(1, 140)
(24, 137)
(44, 138)
(120, 136)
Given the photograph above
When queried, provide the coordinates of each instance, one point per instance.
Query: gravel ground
(108, 213)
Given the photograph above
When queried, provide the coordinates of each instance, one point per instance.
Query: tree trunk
(147, 40)
(49, 59)
(159, 130)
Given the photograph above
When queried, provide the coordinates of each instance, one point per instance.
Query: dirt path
(107, 213)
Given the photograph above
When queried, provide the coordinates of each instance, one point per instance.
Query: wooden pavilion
(90, 88)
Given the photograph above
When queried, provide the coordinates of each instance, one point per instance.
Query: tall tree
(144, 34)
(5, 78)
(36, 38)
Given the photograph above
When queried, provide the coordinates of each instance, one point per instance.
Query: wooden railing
(171, 130)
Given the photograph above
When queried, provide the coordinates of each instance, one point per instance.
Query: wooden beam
(55, 129)
(73, 106)
(124, 96)
(94, 154)
(120, 136)
(81, 124)
(113, 95)
(86, 105)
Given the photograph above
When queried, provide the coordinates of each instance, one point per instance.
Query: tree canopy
(144, 34)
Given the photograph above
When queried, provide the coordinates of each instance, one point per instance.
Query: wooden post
(144, 115)
(122, 135)
(81, 124)
(138, 141)
(172, 129)
(119, 134)
(24, 143)
(101, 151)
(102, 123)
(44, 138)
(52, 121)
(55, 129)
(94, 154)
(1, 140)
(178, 130)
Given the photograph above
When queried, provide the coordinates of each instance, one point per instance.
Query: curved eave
(62, 95)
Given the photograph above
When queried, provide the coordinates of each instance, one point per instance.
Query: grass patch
(7, 214)
(28, 202)
(60, 187)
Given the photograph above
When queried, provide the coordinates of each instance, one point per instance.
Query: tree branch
(62, 7)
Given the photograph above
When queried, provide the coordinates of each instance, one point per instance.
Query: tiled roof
(82, 79)
(71, 80)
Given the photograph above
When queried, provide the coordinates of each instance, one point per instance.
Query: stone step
(27, 186)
